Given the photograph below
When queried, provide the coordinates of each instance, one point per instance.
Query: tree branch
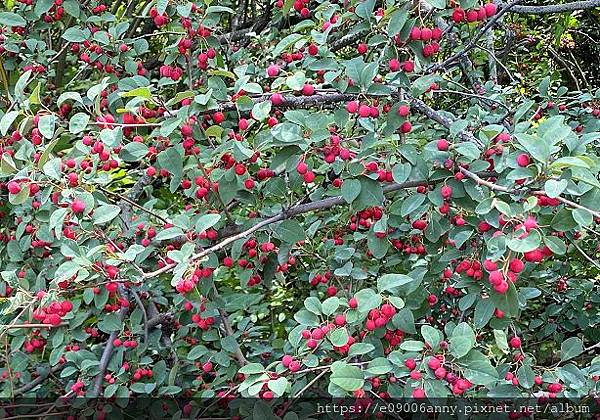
(324, 204)
(107, 353)
(556, 8)
(41, 378)
(497, 187)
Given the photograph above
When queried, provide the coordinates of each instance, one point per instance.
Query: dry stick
(497, 187)
(561, 60)
(134, 204)
(308, 385)
(324, 204)
(16, 326)
(585, 255)
(473, 42)
(30, 385)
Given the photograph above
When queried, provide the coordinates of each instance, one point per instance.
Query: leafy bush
(290, 199)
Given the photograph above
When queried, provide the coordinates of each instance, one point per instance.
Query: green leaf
(219, 9)
(349, 378)
(554, 188)
(161, 6)
(526, 376)
(278, 386)
(391, 281)
(338, 337)
(169, 233)
(252, 369)
(481, 372)
(484, 310)
(412, 203)
(140, 92)
(371, 193)
(397, 21)
(206, 221)
(535, 146)
(46, 125)
(412, 345)
(501, 341)
(438, 4)
(66, 270)
(350, 190)
(7, 120)
(462, 340)
(261, 110)
(529, 243)
(111, 322)
(330, 305)
(557, 246)
(105, 213)
(286, 42)
(313, 304)
(133, 152)
(290, 231)
(197, 352)
(571, 348)
(78, 122)
(379, 366)
(358, 349)
(12, 19)
(75, 34)
(171, 160)
(404, 320)
(432, 336)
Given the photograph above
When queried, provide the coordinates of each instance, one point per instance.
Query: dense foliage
(363, 199)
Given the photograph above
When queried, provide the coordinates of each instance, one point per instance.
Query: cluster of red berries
(130, 344)
(333, 150)
(320, 278)
(416, 247)
(545, 201)
(307, 174)
(363, 110)
(317, 334)
(470, 268)
(301, 7)
(365, 218)
(473, 15)
(394, 338)
(141, 373)
(378, 318)
(172, 72)
(430, 38)
(53, 313)
(158, 19)
(288, 362)
(77, 388)
(36, 343)
(203, 58)
(203, 323)
(394, 64)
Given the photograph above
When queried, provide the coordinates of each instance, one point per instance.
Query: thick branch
(556, 8)
(347, 40)
(107, 355)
